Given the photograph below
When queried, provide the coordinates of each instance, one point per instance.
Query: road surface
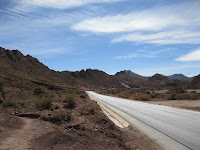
(171, 128)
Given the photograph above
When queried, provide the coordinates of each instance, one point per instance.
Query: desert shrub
(69, 93)
(155, 95)
(187, 96)
(177, 90)
(43, 103)
(148, 92)
(87, 109)
(9, 103)
(56, 107)
(124, 94)
(145, 98)
(59, 117)
(172, 96)
(12, 104)
(2, 89)
(70, 103)
(82, 96)
(1, 86)
(38, 91)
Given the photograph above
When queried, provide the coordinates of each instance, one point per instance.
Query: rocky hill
(158, 77)
(130, 74)
(179, 77)
(20, 70)
(15, 66)
(196, 82)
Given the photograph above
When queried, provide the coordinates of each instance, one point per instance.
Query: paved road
(172, 128)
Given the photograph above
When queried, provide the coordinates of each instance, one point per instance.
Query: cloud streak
(166, 25)
(170, 37)
(193, 56)
(126, 57)
(144, 20)
(63, 4)
(134, 21)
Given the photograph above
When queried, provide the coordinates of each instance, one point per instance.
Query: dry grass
(87, 109)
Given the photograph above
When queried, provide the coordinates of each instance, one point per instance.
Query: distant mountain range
(179, 77)
(19, 70)
(130, 74)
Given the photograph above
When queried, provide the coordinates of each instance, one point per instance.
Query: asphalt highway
(172, 128)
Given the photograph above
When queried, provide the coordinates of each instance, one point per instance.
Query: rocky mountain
(19, 70)
(158, 77)
(196, 82)
(130, 74)
(179, 77)
(15, 66)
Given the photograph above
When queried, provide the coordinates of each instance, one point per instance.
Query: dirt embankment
(97, 132)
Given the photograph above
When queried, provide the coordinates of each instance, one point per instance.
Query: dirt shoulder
(183, 104)
(19, 134)
(96, 132)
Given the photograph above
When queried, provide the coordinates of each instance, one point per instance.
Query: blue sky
(144, 36)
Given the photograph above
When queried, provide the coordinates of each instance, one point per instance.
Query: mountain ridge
(15, 66)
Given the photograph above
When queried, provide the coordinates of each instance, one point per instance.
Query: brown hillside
(196, 82)
(14, 65)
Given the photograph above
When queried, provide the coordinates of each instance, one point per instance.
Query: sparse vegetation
(56, 107)
(59, 117)
(2, 89)
(177, 90)
(184, 96)
(38, 91)
(43, 103)
(87, 109)
(175, 93)
(145, 98)
(69, 103)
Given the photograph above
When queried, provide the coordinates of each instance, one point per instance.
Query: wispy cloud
(126, 57)
(170, 37)
(193, 56)
(124, 23)
(144, 20)
(63, 4)
(159, 25)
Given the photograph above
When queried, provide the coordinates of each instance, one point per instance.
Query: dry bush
(56, 107)
(2, 89)
(42, 104)
(59, 117)
(69, 93)
(155, 95)
(125, 94)
(187, 96)
(38, 91)
(172, 96)
(82, 96)
(177, 90)
(144, 97)
(184, 96)
(87, 109)
(70, 103)
(13, 104)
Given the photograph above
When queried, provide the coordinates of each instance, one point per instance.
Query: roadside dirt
(184, 104)
(23, 133)
(19, 134)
